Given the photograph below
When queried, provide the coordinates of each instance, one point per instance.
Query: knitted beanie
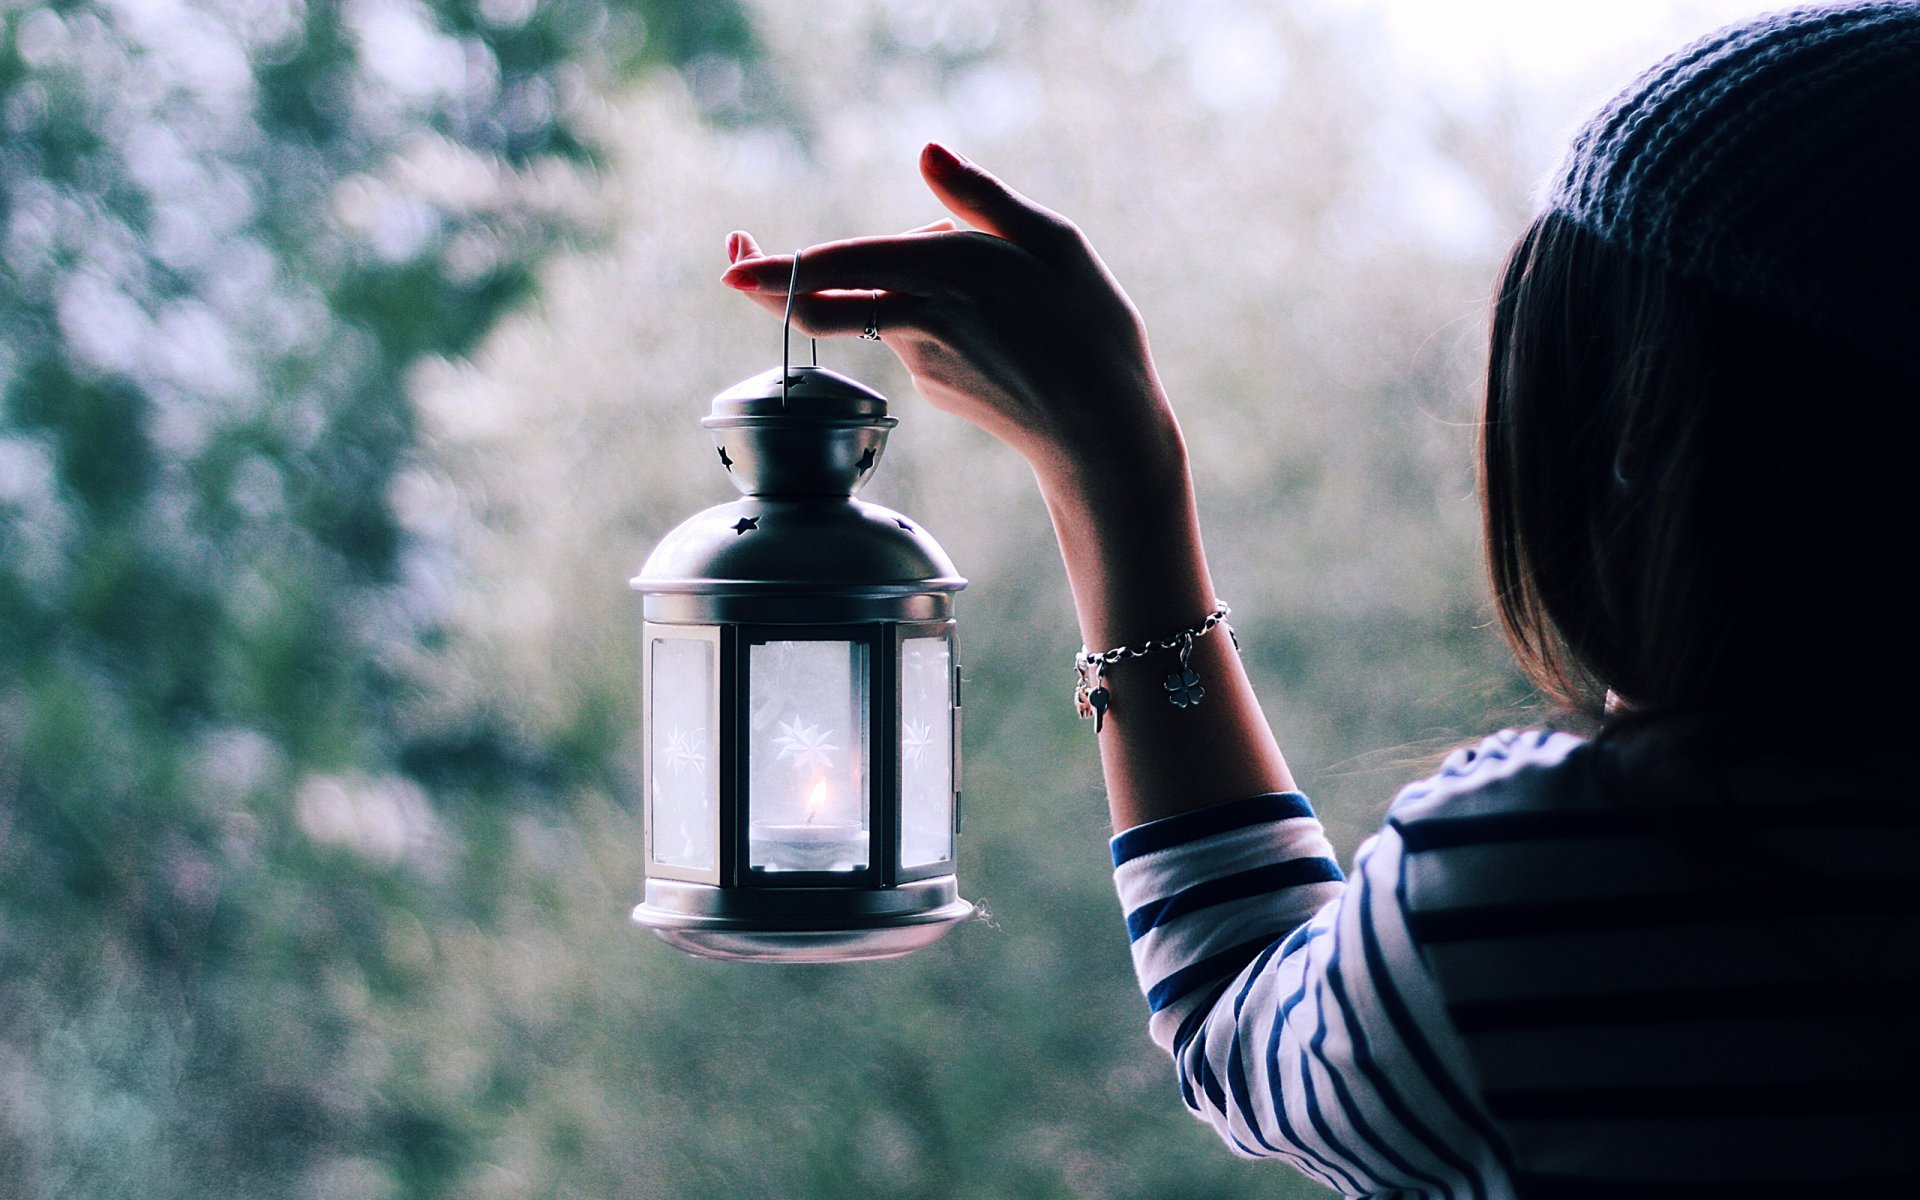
(1777, 162)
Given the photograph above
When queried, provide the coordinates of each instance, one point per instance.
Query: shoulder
(1507, 770)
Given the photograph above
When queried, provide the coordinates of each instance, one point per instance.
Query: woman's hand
(1015, 325)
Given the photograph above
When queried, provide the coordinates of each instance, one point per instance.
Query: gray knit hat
(1777, 162)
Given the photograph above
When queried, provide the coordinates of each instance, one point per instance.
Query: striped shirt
(1531, 989)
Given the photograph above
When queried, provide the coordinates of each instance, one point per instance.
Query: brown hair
(1688, 500)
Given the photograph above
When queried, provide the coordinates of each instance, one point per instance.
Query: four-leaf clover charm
(1183, 688)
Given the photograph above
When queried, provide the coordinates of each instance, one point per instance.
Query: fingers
(841, 283)
(761, 275)
(923, 261)
(841, 314)
(740, 244)
(773, 302)
(829, 313)
(924, 264)
(979, 198)
(838, 314)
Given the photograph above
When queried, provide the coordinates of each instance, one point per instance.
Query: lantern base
(801, 925)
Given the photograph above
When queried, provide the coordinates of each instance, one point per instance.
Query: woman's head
(1698, 460)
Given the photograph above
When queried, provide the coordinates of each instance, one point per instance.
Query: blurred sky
(1459, 41)
(1538, 68)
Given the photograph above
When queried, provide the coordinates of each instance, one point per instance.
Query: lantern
(802, 719)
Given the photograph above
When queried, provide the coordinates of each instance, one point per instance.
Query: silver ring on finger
(872, 332)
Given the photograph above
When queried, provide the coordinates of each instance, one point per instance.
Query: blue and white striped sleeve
(1294, 1004)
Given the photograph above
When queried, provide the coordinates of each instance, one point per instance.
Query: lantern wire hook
(786, 333)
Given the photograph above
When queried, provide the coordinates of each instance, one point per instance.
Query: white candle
(817, 843)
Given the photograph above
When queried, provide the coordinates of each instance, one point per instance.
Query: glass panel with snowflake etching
(926, 751)
(807, 756)
(685, 832)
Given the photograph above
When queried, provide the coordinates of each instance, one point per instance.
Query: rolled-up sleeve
(1292, 1001)
(1206, 892)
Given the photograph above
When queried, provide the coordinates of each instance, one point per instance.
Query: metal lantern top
(798, 443)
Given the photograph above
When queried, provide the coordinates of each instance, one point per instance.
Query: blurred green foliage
(352, 356)
(229, 229)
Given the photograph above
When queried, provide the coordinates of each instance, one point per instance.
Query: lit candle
(816, 843)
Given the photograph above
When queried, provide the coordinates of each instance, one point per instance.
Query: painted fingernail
(952, 156)
(744, 275)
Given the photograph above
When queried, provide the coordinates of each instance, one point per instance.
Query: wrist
(1118, 477)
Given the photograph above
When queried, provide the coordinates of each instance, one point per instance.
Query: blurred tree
(228, 228)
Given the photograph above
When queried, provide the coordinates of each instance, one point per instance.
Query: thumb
(980, 199)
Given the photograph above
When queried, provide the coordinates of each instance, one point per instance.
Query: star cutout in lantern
(806, 745)
(915, 739)
(866, 461)
(724, 460)
(685, 752)
(746, 523)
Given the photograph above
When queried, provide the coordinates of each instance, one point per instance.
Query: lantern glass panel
(683, 789)
(926, 751)
(807, 756)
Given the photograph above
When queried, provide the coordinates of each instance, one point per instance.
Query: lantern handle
(786, 333)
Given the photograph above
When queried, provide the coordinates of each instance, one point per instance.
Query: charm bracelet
(1184, 690)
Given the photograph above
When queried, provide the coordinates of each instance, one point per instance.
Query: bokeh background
(352, 356)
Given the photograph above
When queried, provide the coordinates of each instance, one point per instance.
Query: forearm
(1130, 536)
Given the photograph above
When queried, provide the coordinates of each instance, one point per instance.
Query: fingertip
(938, 158)
(757, 273)
(741, 246)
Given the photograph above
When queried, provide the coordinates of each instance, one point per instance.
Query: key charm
(1090, 695)
(1098, 700)
(1183, 686)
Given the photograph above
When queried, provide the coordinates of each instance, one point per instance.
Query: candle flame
(816, 799)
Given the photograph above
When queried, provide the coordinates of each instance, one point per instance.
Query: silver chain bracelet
(1090, 696)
